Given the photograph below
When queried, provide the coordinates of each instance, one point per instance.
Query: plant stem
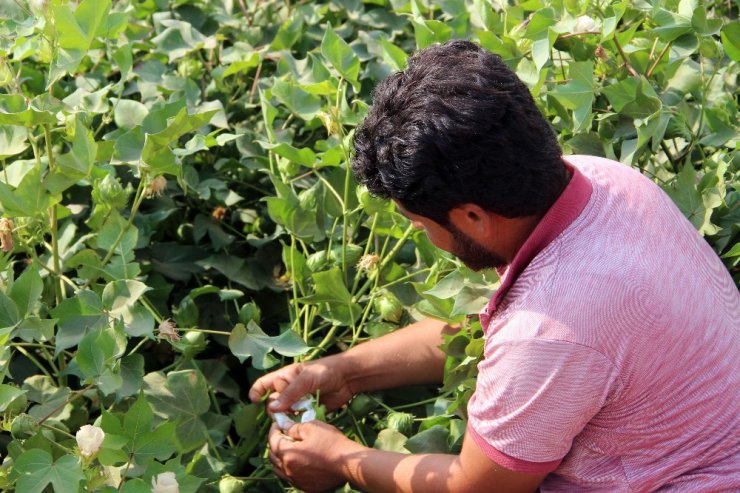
(631, 70)
(138, 199)
(34, 360)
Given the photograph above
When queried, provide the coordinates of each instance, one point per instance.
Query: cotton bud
(168, 330)
(156, 187)
(401, 422)
(585, 24)
(165, 483)
(89, 438)
(6, 234)
(601, 53)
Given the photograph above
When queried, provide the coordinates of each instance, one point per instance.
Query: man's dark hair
(458, 126)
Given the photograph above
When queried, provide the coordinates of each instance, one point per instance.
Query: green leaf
(731, 40)
(128, 113)
(15, 111)
(138, 421)
(75, 33)
(9, 314)
(119, 295)
(633, 97)
(304, 156)
(37, 469)
(182, 395)
(330, 287)
(35, 329)
(156, 152)
(298, 101)
(97, 352)
(76, 316)
(79, 162)
(26, 291)
(689, 199)
(341, 56)
(13, 140)
(8, 394)
(289, 32)
(108, 235)
(29, 199)
(670, 25)
(159, 444)
(251, 341)
(702, 25)
(391, 441)
(431, 441)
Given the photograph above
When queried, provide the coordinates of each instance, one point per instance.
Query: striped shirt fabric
(612, 352)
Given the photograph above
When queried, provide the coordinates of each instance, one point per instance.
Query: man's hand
(290, 384)
(309, 455)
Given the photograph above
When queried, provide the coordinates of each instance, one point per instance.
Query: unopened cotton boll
(89, 438)
(165, 483)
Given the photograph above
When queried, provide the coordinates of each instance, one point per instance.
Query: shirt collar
(561, 214)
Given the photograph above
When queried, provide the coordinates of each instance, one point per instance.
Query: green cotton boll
(23, 426)
(110, 192)
(230, 484)
(250, 312)
(361, 406)
(353, 255)
(190, 68)
(389, 307)
(317, 261)
(401, 422)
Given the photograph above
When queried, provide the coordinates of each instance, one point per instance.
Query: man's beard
(472, 254)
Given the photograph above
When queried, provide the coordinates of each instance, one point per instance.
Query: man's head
(457, 128)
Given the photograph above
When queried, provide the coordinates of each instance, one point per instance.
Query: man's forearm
(379, 471)
(406, 357)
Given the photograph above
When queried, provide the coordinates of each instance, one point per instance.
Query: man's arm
(315, 456)
(405, 357)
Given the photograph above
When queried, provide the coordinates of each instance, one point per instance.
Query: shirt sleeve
(533, 396)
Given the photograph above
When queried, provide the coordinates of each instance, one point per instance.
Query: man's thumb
(290, 395)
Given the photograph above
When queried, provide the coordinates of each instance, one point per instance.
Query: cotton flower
(165, 483)
(368, 262)
(6, 234)
(168, 330)
(585, 24)
(156, 187)
(89, 438)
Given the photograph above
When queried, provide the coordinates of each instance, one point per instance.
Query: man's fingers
(294, 432)
(277, 381)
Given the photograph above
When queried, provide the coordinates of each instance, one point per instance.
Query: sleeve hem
(512, 463)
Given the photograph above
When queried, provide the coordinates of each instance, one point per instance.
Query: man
(611, 356)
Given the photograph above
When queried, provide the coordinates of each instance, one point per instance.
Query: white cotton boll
(165, 483)
(303, 405)
(585, 24)
(307, 416)
(283, 421)
(37, 4)
(89, 438)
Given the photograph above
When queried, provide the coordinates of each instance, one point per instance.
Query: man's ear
(473, 221)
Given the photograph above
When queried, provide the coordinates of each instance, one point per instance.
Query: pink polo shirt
(612, 353)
